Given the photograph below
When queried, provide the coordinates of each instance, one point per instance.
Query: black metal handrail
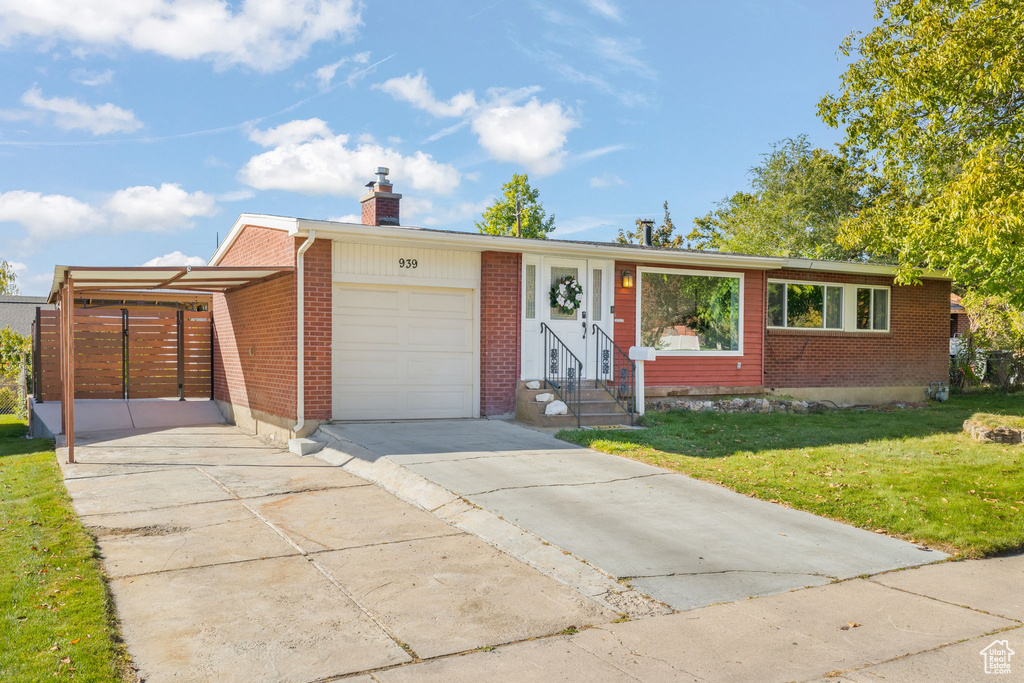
(616, 372)
(562, 371)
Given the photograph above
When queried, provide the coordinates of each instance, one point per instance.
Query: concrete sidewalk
(684, 542)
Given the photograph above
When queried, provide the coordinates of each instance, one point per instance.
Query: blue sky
(136, 130)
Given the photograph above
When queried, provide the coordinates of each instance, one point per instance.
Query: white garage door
(402, 352)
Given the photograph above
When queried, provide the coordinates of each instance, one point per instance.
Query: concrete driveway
(231, 560)
(681, 541)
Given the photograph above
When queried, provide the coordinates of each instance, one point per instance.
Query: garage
(403, 352)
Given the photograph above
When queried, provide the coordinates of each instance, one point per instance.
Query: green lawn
(56, 619)
(910, 473)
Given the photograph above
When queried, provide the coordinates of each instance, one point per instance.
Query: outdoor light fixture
(627, 279)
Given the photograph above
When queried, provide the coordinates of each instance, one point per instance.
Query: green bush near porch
(56, 617)
(911, 473)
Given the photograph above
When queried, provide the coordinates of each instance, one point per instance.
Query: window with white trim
(873, 308)
(804, 305)
(827, 306)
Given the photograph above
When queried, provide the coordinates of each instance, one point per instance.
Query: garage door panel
(441, 302)
(364, 371)
(368, 332)
(368, 298)
(439, 334)
(455, 368)
(403, 352)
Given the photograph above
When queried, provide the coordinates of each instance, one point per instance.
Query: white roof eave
(300, 227)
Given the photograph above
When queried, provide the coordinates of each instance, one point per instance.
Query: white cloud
(176, 258)
(325, 74)
(581, 224)
(145, 208)
(92, 78)
(70, 114)
(599, 152)
(533, 134)
(263, 34)
(606, 180)
(459, 212)
(348, 218)
(151, 209)
(416, 91)
(48, 216)
(308, 158)
(18, 267)
(605, 8)
(423, 211)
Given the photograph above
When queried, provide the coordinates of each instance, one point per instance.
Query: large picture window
(683, 312)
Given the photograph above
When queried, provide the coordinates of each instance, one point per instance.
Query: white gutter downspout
(300, 335)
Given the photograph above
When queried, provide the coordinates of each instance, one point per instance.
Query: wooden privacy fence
(126, 353)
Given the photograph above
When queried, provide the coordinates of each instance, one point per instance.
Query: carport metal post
(181, 355)
(68, 404)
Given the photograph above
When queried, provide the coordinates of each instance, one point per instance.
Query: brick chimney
(380, 206)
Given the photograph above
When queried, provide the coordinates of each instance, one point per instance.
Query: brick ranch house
(407, 323)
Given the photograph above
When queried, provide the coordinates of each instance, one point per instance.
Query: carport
(71, 282)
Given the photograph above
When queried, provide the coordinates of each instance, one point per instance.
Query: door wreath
(565, 294)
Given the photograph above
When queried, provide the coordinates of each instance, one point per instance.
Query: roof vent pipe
(648, 226)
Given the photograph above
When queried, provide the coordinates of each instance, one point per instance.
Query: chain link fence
(14, 393)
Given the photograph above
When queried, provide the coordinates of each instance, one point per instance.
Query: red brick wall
(319, 292)
(914, 352)
(960, 323)
(255, 328)
(697, 370)
(500, 331)
(379, 209)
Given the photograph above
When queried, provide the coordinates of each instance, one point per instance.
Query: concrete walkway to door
(681, 541)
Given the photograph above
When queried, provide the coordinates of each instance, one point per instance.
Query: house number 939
(408, 263)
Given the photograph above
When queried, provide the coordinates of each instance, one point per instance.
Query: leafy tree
(937, 95)
(798, 197)
(661, 236)
(14, 350)
(7, 279)
(500, 217)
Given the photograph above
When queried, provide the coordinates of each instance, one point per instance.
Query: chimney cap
(382, 175)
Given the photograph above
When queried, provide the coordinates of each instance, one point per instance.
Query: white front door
(571, 328)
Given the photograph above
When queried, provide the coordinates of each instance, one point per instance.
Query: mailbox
(642, 353)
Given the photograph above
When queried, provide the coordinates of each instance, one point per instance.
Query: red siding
(255, 328)
(914, 352)
(698, 370)
(500, 331)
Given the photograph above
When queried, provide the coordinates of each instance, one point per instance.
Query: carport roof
(179, 278)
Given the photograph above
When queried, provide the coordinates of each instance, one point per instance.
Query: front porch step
(569, 421)
(597, 407)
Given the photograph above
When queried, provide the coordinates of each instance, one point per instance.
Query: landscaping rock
(998, 434)
(738, 405)
(556, 408)
(533, 384)
(544, 398)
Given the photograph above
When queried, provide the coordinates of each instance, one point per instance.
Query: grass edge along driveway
(910, 473)
(56, 616)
